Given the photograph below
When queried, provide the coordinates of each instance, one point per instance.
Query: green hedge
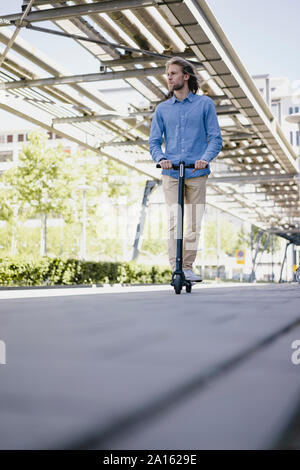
(58, 271)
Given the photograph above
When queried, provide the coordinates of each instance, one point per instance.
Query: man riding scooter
(189, 124)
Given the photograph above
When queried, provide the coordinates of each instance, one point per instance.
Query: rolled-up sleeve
(156, 137)
(213, 132)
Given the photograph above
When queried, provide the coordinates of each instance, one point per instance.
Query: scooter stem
(180, 215)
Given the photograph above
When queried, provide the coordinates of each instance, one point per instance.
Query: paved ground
(142, 368)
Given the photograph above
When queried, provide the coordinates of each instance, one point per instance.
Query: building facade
(283, 97)
(12, 141)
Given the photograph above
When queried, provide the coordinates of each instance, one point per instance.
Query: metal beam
(238, 137)
(248, 155)
(92, 77)
(54, 32)
(42, 2)
(124, 144)
(143, 86)
(43, 61)
(246, 147)
(284, 259)
(128, 60)
(251, 179)
(285, 232)
(16, 32)
(259, 150)
(235, 152)
(27, 117)
(149, 187)
(227, 110)
(100, 117)
(114, 116)
(258, 113)
(78, 10)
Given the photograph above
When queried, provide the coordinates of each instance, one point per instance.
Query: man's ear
(186, 76)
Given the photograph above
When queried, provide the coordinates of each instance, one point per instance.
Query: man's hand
(200, 165)
(166, 164)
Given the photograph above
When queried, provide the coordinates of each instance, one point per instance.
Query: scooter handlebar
(176, 166)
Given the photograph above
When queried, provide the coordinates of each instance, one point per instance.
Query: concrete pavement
(143, 368)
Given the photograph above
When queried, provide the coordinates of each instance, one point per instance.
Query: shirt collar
(189, 97)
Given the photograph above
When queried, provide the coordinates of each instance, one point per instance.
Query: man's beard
(177, 87)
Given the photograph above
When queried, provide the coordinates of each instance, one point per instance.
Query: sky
(264, 33)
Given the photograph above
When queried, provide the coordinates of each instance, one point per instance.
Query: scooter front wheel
(177, 284)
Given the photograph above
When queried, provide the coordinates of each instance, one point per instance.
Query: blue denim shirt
(191, 131)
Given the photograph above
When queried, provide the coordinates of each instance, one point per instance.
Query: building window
(291, 138)
(275, 110)
(10, 138)
(279, 112)
(20, 137)
(297, 138)
(290, 110)
(58, 136)
(6, 156)
(297, 109)
(273, 89)
(50, 135)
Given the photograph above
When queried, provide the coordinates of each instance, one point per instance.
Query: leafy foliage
(229, 240)
(40, 183)
(59, 271)
(48, 182)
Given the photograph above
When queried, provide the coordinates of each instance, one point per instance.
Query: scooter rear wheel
(188, 287)
(177, 284)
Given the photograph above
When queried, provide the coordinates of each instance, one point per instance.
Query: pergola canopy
(256, 174)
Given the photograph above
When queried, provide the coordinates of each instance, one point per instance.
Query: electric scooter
(178, 277)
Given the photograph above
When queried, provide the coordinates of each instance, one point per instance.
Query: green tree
(260, 237)
(12, 211)
(229, 240)
(41, 182)
(49, 183)
(100, 179)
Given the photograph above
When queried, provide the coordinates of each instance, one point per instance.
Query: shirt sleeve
(156, 137)
(213, 132)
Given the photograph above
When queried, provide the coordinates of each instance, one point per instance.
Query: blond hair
(187, 68)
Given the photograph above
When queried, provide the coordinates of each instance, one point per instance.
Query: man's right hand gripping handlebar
(165, 164)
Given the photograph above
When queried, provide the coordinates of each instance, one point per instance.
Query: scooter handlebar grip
(176, 167)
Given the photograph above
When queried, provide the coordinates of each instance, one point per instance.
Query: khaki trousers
(195, 193)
